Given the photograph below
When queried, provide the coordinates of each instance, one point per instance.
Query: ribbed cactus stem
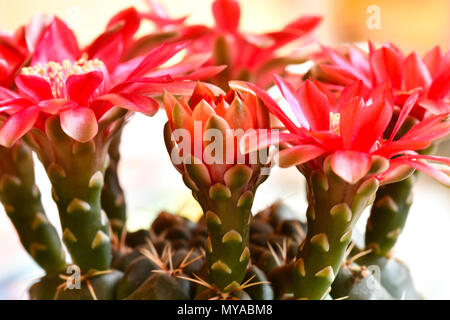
(21, 199)
(113, 198)
(76, 172)
(388, 216)
(227, 209)
(334, 208)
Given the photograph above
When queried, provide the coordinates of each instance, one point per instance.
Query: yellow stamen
(56, 74)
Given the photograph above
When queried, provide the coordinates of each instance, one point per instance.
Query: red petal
(201, 92)
(407, 106)
(415, 73)
(156, 57)
(227, 14)
(314, 105)
(132, 102)
(351, 166)
(433, 60)
(81, 87)
(57, 44)
(268, 101)
(386, 65)
(18, 125)
(79, 123)
(262, 139)
(34, 87)
(361, 125)
(298, 154)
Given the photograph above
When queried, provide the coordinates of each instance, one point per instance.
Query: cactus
(224, 190)
(21, 199)
(113, 198)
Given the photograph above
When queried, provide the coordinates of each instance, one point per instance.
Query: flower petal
(298, 154)
(288, 93)
(314, 105)
(133, 102)
(79, 123)
(415, 73)
(34, 87)
(18, 125)
(81, 87)
(227, 14)
(351, 166)
(58, 43)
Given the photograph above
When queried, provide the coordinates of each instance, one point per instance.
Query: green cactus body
(227, 209)
(76, 172)
(358, 283)
(21, 199)
(113, 198)
(388, 215)
(334, 208)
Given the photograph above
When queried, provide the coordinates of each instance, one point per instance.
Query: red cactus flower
(202, 137)
(248, 56)
(352, 132)
(389, 64)
(82, 85)
(204, 110)
(15, 49)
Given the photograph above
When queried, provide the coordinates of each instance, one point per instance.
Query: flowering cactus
(71, 108)
(404, 73)
(223, 185)
(341, 151)
(250, 57)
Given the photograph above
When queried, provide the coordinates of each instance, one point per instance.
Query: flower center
(334, 122)
(56, 74)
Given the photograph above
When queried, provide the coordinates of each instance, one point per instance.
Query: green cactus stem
(334, 208)
(76, 172)
(227, 209)
(113, 198)
(388, 216)
(21, 199)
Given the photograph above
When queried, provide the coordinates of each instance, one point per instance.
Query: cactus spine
(21, 199)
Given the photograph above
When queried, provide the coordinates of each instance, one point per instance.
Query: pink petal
(34, 87)
(81, 87)
(440, 176)
(54, 106)
(57, 44)
(289, 94)
(435, 106)
(18, 125)
(133, 102)
(351, 166)
(297, 155)
(35, 29)
(227, 14)
(79, 123)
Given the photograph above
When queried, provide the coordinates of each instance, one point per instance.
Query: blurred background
(152, 184)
